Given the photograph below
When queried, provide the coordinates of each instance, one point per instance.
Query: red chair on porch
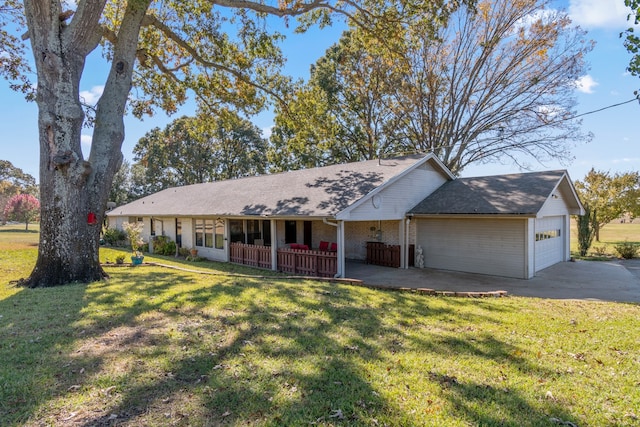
(334, 247)
(324, 246)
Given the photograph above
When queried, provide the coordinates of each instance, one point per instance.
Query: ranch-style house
(401, 212)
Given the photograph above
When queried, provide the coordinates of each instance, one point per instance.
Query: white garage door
(486, 246)
(550, 241)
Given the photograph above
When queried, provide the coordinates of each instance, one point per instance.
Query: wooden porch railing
(308, 262)
(295, 261)
(380, 254)
(253, 255)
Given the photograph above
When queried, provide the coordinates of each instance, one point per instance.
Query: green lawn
(612, 234)
(154, 346)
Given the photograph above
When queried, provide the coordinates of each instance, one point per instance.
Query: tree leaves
(491, 83)
(192, 150)
(609, 196)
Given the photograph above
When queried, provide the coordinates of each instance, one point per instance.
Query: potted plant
(134, 233)
(194, 252)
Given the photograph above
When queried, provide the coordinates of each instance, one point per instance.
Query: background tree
(495, 83)
(342, 114)
(609, 196)
(121, 189)
(219, 50)
(587, 225)
(192, 150)
(22, 208)
(14, 181)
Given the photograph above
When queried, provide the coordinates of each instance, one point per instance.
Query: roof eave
(472, 215)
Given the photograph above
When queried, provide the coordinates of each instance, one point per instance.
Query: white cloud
(633, 160)
(90, 97)
(266, 132)
(526, 22)
(585, 84)
(550, 112)
(609, 14)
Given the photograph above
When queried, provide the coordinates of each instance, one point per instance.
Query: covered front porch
(320, 247)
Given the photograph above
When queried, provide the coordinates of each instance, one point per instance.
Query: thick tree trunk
(68, 250)
(71, 189)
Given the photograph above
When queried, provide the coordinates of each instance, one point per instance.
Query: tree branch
(296, 9)
(153, 21)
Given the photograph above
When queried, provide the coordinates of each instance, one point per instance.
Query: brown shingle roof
(321, 192)
(515, 194)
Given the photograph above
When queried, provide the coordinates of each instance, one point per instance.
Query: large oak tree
(219, 50)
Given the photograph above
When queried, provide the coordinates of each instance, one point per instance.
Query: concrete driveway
(588, 280)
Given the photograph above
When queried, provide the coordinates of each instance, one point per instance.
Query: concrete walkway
(589, 280)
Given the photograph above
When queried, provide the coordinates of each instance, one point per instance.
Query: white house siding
(396, 199)
(475, 245)
(117, 221)
(188, 233)
(555, 205)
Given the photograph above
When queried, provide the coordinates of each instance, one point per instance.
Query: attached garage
(480, 245)
(507, 225)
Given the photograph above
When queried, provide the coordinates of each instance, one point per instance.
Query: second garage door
(550, 240)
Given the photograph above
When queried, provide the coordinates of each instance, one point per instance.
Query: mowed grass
(155, 347)
(610, 235)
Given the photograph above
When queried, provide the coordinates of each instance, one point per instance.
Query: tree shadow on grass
(160, 347)
(35, 332)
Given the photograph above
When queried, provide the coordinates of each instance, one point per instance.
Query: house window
(290, 232)
(549, 234)
(199, 232)
(208, 233)
(219, 234)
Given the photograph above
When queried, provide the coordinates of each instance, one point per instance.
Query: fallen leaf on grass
(107, 391)
(71, 415)
(337, 413)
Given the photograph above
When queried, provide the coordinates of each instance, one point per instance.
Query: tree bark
(72, 188)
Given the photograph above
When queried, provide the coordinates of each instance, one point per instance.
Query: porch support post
(227, 239)
(402, 232)
(341, 250)
(274, 245)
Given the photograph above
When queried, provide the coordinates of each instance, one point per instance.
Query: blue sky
(615, 146)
